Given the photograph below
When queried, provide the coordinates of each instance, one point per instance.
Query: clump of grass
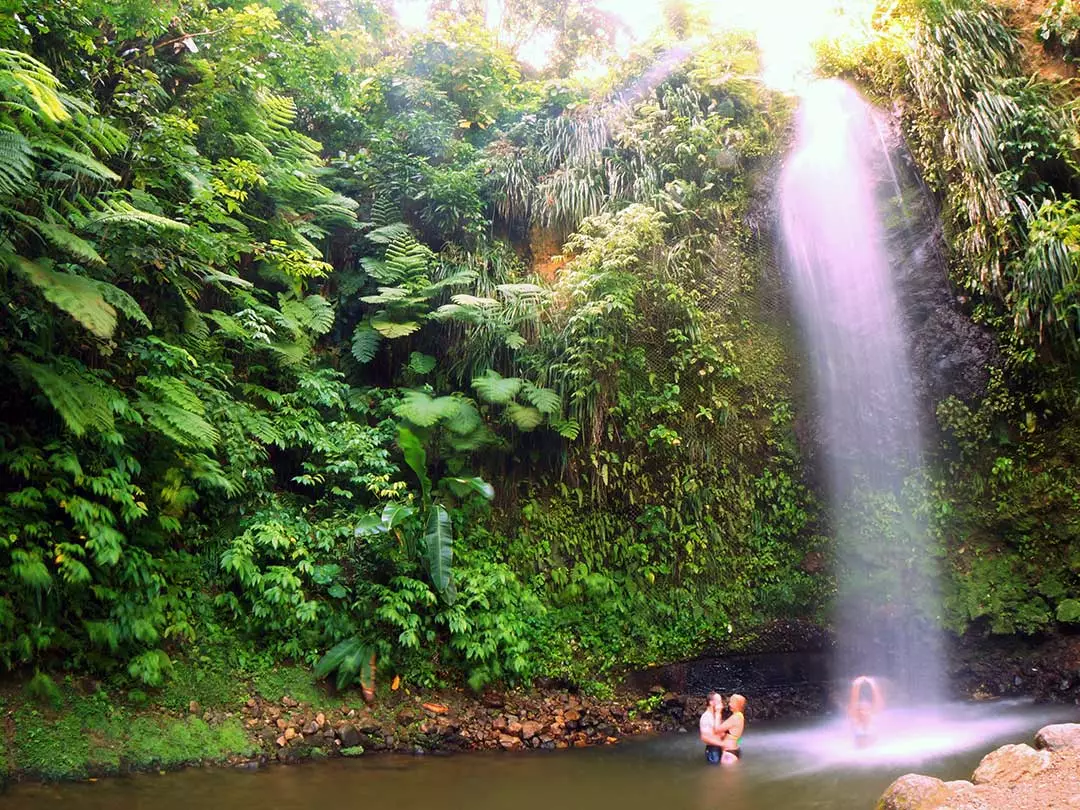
(296, 682)
(165, 743)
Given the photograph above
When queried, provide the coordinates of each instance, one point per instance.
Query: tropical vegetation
(369, 349)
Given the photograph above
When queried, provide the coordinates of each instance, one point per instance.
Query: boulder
(1059, 737)
(349, 736)
(509, 743)
(915, 792)
(530, 728)
(965, 796)
(1011, 763)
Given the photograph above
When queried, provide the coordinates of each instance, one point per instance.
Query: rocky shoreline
(1013, 777)
(285, 726)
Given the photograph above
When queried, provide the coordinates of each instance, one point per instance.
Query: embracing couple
(721, 737)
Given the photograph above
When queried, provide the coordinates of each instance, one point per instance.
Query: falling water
(840, 202)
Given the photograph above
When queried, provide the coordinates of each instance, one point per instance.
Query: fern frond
(80, 163)
(322, 314)
(123, 302)
(16, 161)
(389, 233)
(115, 211)
(174, 391)
(184, 427)
(365, 343)
(82, 401)
(60, 237)
(78, 296)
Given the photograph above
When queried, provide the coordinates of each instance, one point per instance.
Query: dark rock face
(950, 354)
(777, 684)
(1046, 668)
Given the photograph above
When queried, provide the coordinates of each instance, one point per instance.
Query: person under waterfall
(864, 704)
(721, 737)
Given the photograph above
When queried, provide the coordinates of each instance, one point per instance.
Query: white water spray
(838, 192)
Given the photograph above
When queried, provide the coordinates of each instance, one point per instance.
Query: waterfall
(840, 203)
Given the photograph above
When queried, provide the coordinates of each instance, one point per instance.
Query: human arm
(732, 729)
(877, 698)
(709, 732)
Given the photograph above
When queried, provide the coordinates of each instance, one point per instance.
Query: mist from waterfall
(841, 203)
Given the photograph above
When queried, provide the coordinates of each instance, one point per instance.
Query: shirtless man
(721, 737)
(709, 727)
(861, 709)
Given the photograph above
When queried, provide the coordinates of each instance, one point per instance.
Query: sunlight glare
(786, 29)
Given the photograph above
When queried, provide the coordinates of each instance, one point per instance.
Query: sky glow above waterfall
(786, 29)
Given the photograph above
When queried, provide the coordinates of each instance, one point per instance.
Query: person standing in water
(733, 729)
(863, 705)
(709, 728)
(721, 737)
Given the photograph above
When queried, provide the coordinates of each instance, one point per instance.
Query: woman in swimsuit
(732, 729)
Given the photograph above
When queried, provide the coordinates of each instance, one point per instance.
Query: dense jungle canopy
(325, 337)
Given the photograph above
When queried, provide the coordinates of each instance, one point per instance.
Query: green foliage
(1059, 27)
(230, 402)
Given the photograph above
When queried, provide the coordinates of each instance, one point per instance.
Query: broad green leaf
(416, 458)
(439, 548)
(495, 388)
(394, 513)
(369, 525)
(463, 486)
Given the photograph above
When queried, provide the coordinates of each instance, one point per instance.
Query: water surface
(794, 766)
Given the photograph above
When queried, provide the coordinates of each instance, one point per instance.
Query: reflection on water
(793, 766)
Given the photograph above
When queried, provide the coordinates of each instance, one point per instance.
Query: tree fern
(80, 163)
(60, 237)
(495, 388)
(16, 161)
(117, 211)
(365, 342)
(185, 428)
(25, 78)
(322, 314)
(544, 400)
(82, 401)
(78, 296)
(524, 417)
(123, 302)
(424, 410)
